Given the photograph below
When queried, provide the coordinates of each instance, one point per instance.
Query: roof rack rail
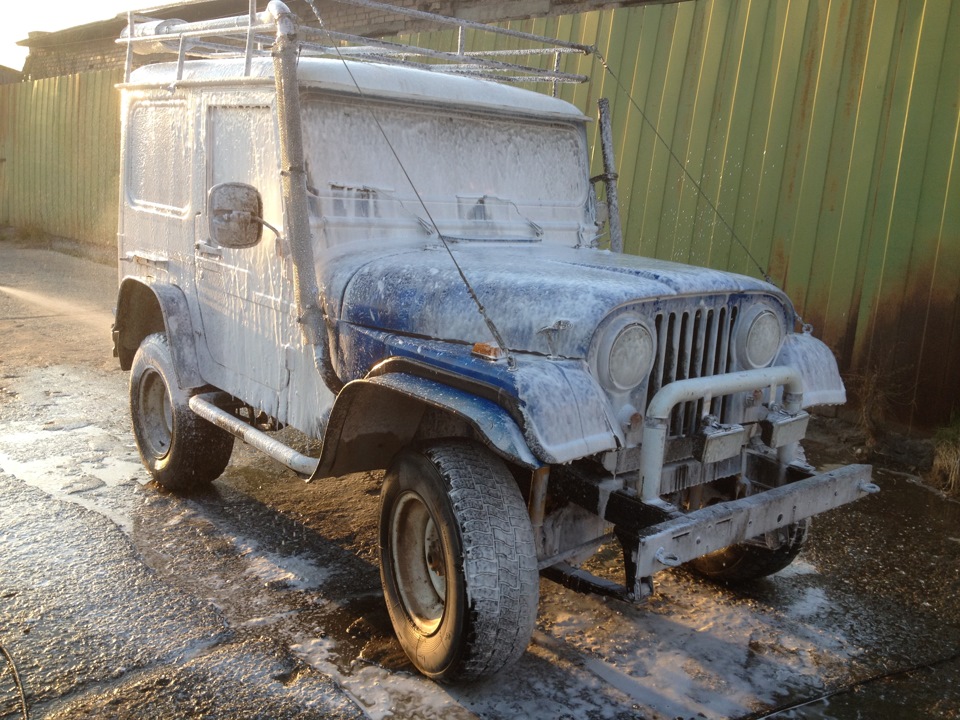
(253, 34)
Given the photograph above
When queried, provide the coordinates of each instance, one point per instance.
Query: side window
(158, 156)
(241, 148)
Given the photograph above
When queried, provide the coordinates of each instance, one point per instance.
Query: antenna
(511, 362)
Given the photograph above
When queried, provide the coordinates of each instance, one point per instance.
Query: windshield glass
(481, 177)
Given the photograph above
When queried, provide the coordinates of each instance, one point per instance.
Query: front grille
(691, 344)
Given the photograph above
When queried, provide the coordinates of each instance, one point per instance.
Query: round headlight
(627, 358)
(760, 339)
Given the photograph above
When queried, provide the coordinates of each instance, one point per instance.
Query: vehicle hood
(523, 288)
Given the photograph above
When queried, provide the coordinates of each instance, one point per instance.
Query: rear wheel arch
(138, 315)
(144, 309)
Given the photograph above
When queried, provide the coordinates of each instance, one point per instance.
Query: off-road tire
(753, 559)
(457, 560)
(181, 450)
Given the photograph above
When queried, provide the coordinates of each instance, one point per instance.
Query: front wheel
(457, 560)
(180, 449)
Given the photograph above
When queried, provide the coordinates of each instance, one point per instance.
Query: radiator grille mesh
(691, 344)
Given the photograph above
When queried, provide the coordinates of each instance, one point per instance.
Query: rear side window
(158, 152)
(241, 148)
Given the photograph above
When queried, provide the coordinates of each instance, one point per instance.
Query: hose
(16, 681)
(850, 687)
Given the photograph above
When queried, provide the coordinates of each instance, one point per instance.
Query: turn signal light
(488, 351)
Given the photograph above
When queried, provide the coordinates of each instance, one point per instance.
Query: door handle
(209, 250)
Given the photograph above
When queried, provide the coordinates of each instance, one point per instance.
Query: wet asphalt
(96, 633)
(260, 598)
(894, 592)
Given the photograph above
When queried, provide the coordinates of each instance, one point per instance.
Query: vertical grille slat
(656, 376)
(699, 352)
(683, 412)
(723, 354)
(723, 410)
(692, 344)
(674, 330)
(673, 350)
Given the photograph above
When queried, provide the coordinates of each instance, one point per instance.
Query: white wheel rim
(418, 562)
(156, 414)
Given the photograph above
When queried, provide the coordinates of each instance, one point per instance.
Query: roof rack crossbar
(473, 25)
(414, 51)
(407, 51)
(476, 72)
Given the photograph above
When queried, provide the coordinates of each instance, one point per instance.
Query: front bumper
(656, 534)
(795, 494)
(712, 528)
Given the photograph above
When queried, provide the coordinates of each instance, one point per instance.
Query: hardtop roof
(395, 82)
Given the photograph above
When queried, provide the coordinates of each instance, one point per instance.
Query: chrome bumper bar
(656, 423)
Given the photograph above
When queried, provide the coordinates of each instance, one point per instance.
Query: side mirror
(235, 212)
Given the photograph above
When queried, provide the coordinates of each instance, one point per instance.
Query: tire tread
(199, 450)
(503, 586)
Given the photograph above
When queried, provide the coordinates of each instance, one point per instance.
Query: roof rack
(253, 34)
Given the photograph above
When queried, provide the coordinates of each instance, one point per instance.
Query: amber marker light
(488, 351)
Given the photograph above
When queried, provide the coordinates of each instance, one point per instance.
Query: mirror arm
(267, 225)
(250, 217)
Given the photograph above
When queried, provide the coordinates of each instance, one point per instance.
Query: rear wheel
(180, 449)
(753, 559)
(457, 560)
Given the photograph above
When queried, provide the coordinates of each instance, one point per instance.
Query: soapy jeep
(403, 262)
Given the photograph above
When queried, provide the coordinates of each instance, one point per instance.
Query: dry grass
(946, 458)
(876, 392)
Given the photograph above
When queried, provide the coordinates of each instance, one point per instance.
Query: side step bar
(206, 407)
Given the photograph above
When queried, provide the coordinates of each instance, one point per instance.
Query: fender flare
(374, 418)
(817, 365)
(138, 305)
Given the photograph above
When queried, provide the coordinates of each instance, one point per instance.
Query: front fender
(558, 405)
(566, 413)
(374, 418)
(818, 370)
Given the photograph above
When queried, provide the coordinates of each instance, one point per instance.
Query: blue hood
(524, 288)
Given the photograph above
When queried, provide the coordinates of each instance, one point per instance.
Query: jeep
(404, 263)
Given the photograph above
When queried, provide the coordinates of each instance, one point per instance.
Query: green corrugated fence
(826, 133)
(60, 156)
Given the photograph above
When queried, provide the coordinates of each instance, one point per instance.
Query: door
(245, 294)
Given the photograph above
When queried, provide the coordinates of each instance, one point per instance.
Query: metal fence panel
(60, 144)
(825, 132)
